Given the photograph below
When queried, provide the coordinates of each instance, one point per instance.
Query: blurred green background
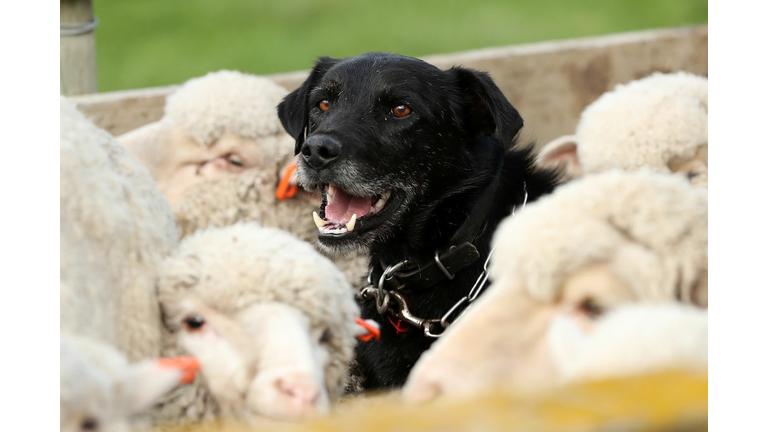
(144, 43)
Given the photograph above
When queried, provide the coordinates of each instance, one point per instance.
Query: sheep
(121, 264)
(116, 228)
(270, 319)
(595, 244)
(218, 154)
(658, 122)
(101, 390)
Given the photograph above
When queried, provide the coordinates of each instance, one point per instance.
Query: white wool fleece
(651, 228)
(634, 129)
(223, 101)
(679, 84)
(116, 228)
(241, 265)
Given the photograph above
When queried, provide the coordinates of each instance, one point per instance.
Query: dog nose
(319, 151)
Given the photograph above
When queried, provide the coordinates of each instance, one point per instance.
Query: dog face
(387, 138)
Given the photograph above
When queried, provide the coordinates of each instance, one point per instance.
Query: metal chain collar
(435, 327)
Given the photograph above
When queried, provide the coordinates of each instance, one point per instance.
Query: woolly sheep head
(270, 320)
(658, 122)
(214, 127)
(592, 246)
(100, 390)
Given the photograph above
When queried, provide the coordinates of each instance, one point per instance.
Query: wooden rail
(549, 82)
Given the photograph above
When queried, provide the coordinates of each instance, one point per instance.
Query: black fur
(437, 161)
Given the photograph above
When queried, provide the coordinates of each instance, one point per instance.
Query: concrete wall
(549, 82)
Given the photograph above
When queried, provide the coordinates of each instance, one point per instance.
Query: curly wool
(651, 228)
(220, 266)
(116, 228)
(223, 101)
(679, 84)
(646, 123)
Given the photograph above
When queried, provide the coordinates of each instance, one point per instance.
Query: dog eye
(401, 111)
(590, 308)
(193, 323)
(324, 105)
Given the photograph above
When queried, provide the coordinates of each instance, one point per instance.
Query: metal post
(77, 47)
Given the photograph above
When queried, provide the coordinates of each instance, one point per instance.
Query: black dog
(413, 162)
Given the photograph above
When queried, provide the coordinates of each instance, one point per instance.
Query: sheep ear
(700, 295)
(293, 111)
(563, 151)
(145, 382)
(489, 112)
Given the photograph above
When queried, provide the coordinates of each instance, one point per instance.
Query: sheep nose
(319, 151)
(302, 391)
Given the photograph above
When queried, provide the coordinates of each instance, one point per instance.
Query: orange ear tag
(189, 365)
(371, 327)
(285, 189)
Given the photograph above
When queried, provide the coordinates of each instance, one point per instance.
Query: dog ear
(489, 112)
(293, 110)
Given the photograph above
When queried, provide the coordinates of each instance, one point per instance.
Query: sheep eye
(89, 424)
(193, 322)
(590, 308)
(236, 160)
(326, 336)
(401, 111)
(324, 105)
(692, 174)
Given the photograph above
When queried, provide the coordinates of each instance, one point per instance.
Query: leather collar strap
(459, 256)
(425, 276)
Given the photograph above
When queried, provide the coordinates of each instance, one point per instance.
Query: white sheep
(218, 155)
(101, 390)
(269, 318)
(116, 230)
(658, 122)
(213, 127)
(567, 261)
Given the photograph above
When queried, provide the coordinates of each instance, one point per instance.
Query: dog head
(388, 138)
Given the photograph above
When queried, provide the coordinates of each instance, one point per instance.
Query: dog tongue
(344, 205)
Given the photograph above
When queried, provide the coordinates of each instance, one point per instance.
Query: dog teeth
(318, 221)
(351, 223)
(331, 191)
(380, 203)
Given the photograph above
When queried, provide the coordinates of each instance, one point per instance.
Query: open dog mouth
(341, 213)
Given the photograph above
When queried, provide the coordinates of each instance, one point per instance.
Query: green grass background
(143, 43)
